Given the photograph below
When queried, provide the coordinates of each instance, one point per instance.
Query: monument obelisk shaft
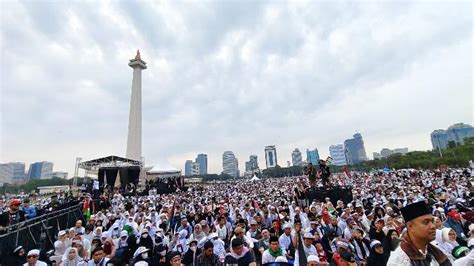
(134, 140)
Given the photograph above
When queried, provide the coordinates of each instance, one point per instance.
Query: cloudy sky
(230, 75)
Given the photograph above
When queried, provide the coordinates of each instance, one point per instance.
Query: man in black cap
(415, 248)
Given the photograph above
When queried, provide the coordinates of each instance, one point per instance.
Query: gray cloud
(230, 76)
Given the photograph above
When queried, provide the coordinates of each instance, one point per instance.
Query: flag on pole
(278, 220)
(105, 179)
(86, 210)
(171, 211)
(255, 205)
(346, 174)
(118, 183)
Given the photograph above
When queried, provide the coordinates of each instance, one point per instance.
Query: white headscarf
(65, 260)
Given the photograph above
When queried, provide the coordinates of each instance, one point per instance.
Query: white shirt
(285, 241)
(59, 247)
(267, 257)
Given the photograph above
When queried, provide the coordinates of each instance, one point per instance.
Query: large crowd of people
(403, 217)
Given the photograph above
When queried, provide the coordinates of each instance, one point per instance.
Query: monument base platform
(335, 194)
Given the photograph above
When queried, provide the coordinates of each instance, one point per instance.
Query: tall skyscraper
(188, 168)
(19, 175)
(40, 170)
(455, 133)
(337, 153)
(252, 164)
(296, 157)
(271, 156)
(134, 139)
(202, 161)
(354, 150)
(12, 173)
(230, 165)
(312, 156)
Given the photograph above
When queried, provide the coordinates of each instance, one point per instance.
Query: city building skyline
(201, 159)
(271, 156)
(312, 156)
(188, 167)
(296, 157)
(195, 168)
(354, 150)
(456, 133)
(230, 164)
(252, 164)
(40, 170)
(336, 151)
(12, 173)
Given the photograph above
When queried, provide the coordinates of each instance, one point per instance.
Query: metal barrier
(39, 232)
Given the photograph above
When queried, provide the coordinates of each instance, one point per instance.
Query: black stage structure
(110, 167)
(334, 193)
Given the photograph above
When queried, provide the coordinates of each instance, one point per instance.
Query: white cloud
(230, 76)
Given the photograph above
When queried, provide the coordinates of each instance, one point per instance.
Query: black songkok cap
(415, 210)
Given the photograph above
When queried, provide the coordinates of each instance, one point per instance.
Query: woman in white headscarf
(71, 258)
(446, 241)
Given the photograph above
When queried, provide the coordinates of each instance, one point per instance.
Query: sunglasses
(32, 256)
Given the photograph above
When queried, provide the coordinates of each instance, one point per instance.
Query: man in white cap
(60, 244)
(285, 238)
(32, 259)
(80, 230)
(308, 248)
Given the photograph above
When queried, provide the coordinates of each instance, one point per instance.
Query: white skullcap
(375, 242)
(313, 258)
(281, 259)
(139, 251)
(34, 252)
(286, 226)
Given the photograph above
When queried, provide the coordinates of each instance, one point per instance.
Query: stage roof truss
(109, 161)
